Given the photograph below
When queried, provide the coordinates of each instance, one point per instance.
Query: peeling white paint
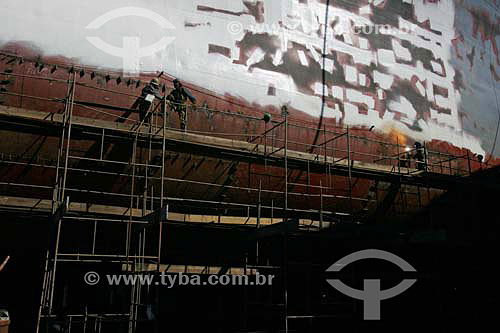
(400, 51)
(386, 57)
(362, 80)
(420, 88)
(338, 92)
(57, 28)
(358, 97)
(303, 58)
(383, 80)
(351, 74)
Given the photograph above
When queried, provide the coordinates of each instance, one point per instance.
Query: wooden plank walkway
(236, 150)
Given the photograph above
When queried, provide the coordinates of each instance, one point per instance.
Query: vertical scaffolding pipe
(138, 286)
(259, 205)
(426, 162)
(152, 204)
(286, 159)
(350, 170)
(308, 176)
(148, 159)
(143, 261)
(61, 199)
(162, 189)
(401, 194)
(43, 296)
(57, 185)
(55, 198)
(320, 205)
(285, 245)
(71, 103)
(440, 161)
(397, 152)
(131, 317)
(85, 321)
(187, 115)
(265, 140)
(325, 142)
(94, 237)
(330, 175)
(162, 205)
(131, 208)
(102, 145)
(133, 291)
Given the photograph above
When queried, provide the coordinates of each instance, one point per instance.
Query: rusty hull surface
(238, 120)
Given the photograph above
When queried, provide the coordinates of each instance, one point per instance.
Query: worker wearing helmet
(152, 89)
(178, 97)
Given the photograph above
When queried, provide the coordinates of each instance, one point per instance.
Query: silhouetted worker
(480, 160)
(149, 92)
(419, 156)
(178, 97)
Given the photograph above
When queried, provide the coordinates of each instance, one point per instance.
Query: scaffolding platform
(234, 150)
(134, 232)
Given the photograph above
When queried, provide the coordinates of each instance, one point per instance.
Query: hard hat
(155, 82)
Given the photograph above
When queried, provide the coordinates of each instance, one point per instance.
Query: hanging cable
(323, 94)
(498, 108)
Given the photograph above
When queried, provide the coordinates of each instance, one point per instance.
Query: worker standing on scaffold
(149, 93)
(178, 97)
(420, 156)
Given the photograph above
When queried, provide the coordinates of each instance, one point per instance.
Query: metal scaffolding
(134, 259)
(147, 193)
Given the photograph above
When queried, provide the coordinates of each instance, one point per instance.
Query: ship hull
(99, 166)
(390, 89)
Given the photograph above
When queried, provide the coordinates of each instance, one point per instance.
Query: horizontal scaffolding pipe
(246, 189)
(211, 203)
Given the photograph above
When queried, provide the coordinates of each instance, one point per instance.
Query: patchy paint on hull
(427, 69)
